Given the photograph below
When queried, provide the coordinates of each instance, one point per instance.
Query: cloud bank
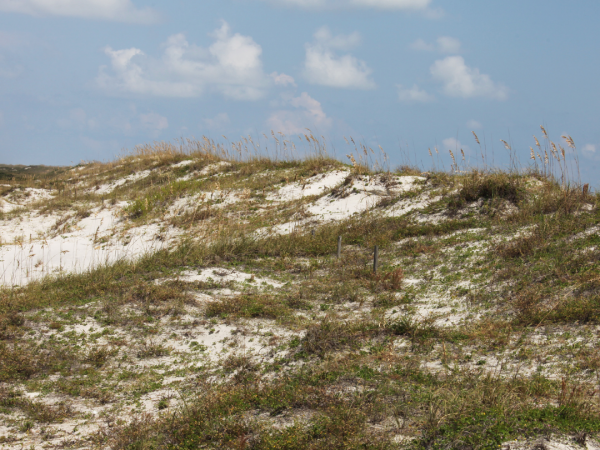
(231, 66)
(116, 10)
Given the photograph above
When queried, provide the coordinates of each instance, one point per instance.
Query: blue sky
(84, 79)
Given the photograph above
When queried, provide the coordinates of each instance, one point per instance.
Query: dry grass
(351, 359)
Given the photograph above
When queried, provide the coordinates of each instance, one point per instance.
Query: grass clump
(248, 306)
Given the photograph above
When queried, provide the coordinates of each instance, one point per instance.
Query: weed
(248, 306)
(150, 349)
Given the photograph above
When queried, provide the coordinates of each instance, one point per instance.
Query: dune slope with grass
(191, 296)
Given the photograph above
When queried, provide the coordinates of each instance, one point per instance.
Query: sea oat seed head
(569, 140)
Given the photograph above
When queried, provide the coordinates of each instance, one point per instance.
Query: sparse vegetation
(241, 328)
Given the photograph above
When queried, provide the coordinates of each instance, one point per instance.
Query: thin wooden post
(375, 258)
(339, 255)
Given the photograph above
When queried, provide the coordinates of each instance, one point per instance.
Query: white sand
(317, 185)
(360, 195)
(109, 187)
(220, 275)
(92, 242)
(23, 197)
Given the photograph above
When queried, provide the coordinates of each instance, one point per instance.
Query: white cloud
(589, 150)
(455, 145)
(474, 125)
(281, 79)
(346, 4)
(414, 94)
(154, 122)
(324, 37)
(322, 66)
(444, 44)
(308, 113)
(460, 80)
(447, 44)
(421, 46)
(117, 10)
(218, 122)
(231, 66)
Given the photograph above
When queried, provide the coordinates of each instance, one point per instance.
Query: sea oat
(569, 140)
(554, 151)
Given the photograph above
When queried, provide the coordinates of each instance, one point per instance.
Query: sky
(84, 80)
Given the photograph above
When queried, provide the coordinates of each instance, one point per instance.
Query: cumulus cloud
(307, 113)
(409, 5)
(455, 145)
(218, 122)
(117, 10)
(323, 67)
(447, 44)
(589, 150)
(324, 37)
(421, 46)
(443, 44)
(474, 125)
(281, 79)
(231, 66)
(414, 94)
(460, 80)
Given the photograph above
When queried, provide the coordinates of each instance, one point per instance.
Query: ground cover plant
(192, 296)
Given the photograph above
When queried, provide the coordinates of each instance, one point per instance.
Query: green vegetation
(479, 326)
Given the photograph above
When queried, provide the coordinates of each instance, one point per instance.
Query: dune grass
(361, 366)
